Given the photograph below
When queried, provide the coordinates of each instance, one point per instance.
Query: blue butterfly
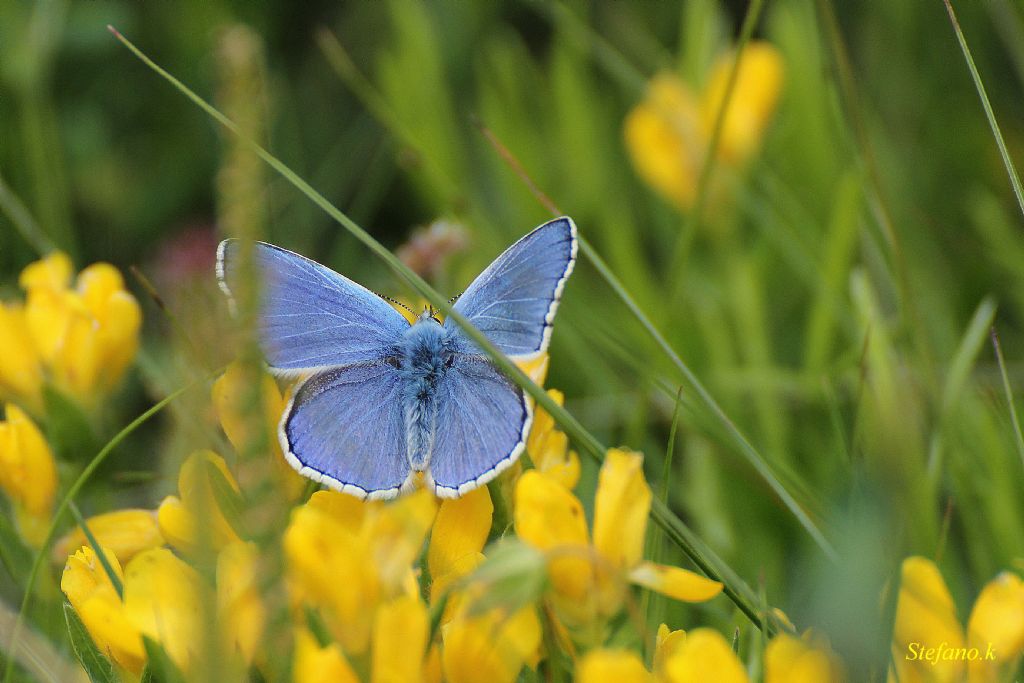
(380, 399)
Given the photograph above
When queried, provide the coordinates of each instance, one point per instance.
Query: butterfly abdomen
(422, 365)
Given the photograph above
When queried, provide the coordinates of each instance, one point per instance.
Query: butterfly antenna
(454, 299)
(395, 301)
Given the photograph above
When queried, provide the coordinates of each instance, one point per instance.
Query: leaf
(96, 665)
(230, 501)
(160, 669)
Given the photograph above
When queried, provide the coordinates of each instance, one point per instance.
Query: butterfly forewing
(311, 317)
(513, 302)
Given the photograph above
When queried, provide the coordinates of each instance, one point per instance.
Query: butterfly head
(430, 313)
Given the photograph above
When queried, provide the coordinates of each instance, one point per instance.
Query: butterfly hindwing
(345, 428)
(482, 422)
(513, 302)
(311, 317)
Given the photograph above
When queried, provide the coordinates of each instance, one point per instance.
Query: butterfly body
(381, 402)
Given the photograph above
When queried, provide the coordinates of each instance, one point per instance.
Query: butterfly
(381, 400)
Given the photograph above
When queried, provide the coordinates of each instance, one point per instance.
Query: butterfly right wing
(311, 317)
(345, 427)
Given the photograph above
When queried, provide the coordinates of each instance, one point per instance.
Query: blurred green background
(835, 299)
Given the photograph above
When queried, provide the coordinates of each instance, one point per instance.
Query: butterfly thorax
(424, 357)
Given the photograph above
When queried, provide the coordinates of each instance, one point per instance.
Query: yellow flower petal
(664, 138)
(21, 372)
(621, 666)
(753, 100)
(550, 518)
(400, 641)
(124, 532)
(704, 656)
(997, 624)
(179, 518)
(239, 608)
(666, 646)
(675, 582)
(52, 272)
(789, 659)
(163, 598)
(90, 592)
(549, 448)
(315, 664)
(926, 615)
(28, 471)
(347, 510)
(492, 647)
(620, 509)
(460, 530)
(329, 566)
(395, 535)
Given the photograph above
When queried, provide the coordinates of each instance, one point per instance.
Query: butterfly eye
(449, 361)
(392, 361)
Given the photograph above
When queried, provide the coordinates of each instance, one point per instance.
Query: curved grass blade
(1011, 170)
(714, 567)
(1018, 435)
(107, 567)
(65, 503)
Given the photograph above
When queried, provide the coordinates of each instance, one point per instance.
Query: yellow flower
(622, 666)
(195, 518)
(997, 622)
(668, 134)
(316, 664)
(81, 338)
(704, 655)
(925, 617)
(590, 579)
(400, 634)
(347, 557)
(28, 473)
(163, 599)
(493, 646)
(549, 448)
(21, 369)
(90, 592)
(808, 659)
(696, 657)
(125, 533)
(457, 539)
(239, 609)
(231, 393)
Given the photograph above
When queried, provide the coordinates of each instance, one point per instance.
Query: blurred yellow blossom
(179, 516)
(549, 448)
(805, 659)
(492, 646)
(699, 656)
(239, 609)
(347, 557)
(162, 599)
(589, 580)
(91, 593)
(82, 338)
(996, 624)
(125, 533)
(929, 643)
(400, 633)
(668, 133)
(457, 539)
(28, 473)
(316, 664)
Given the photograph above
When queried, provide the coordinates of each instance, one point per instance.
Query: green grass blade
(713, 566)
(97, 667)
(1018, 435)
(1011, 170)
(65, 503)
(23, 221)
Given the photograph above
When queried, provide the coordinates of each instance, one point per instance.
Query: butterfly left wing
(311, 317)
(482, 423)
(345, 428)
(513, 302)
